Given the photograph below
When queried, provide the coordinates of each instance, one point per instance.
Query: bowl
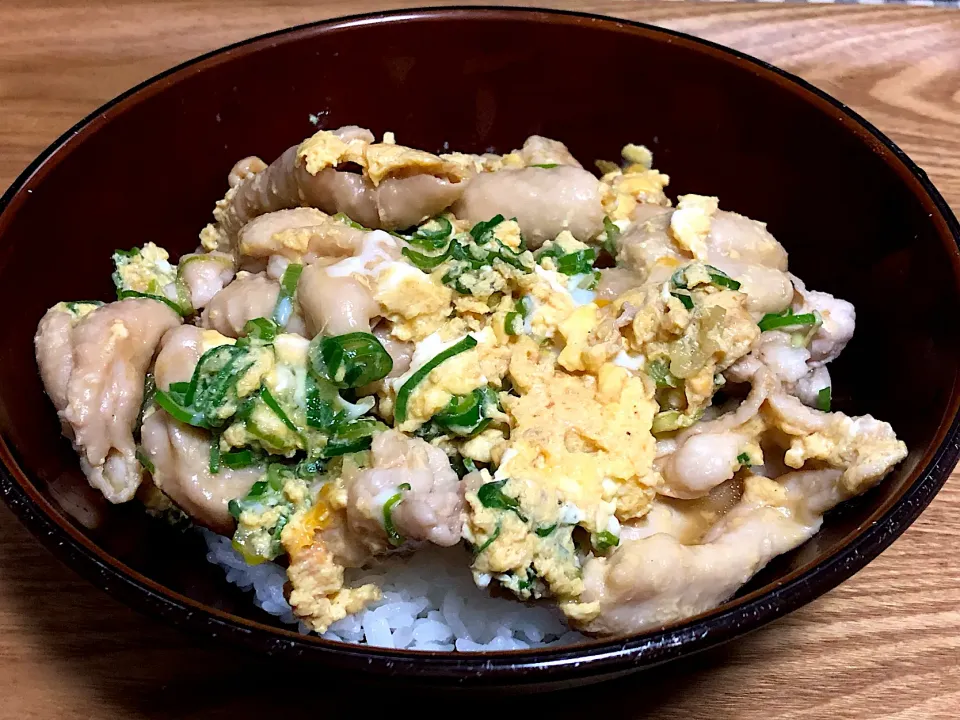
(859, 219)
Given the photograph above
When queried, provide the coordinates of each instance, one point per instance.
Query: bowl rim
(596, 657)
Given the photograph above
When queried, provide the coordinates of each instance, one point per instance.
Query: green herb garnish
(124, 294)
(288, 288)
(491, 495)
(604, 540)
(659, 371)
(392, 535)
(545, 531)
(824, 399)
(772, 321)
(743, 459)
(403, 394)
(349, 361)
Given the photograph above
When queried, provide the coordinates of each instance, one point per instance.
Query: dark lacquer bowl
(859, 219)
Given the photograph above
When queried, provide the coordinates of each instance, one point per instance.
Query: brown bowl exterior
(858, 217)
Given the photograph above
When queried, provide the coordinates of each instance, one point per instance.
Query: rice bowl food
(400, 392)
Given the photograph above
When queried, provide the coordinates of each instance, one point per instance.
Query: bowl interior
(855, 222)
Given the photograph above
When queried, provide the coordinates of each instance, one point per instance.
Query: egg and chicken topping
(558, 408)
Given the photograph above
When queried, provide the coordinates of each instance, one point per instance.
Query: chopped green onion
(271, 402)
(288, 287)
(659, 371)
(545, 166)
(685, 299)
(177, 411)
(824, 399)
(721, 279)
(466, 415)
(433, 234)
(483, 231)
(73, 305)
(215, 456)
(321, 396)
(469, 465)
(428, 262)
(604, 540)
(670, 420)
(149, 390)
(392, 535)
(261, 328)
(352, 437)
(545, 531)
(491, 495)
(612, 231)
(124, 294)
(490, 540)
(577, 263)
(403, 394)
(743, 459)
(352, 360)
(513, 323)
(345, 219)
(772, 321)
(523, 306)
(145, 461)
(237, 459)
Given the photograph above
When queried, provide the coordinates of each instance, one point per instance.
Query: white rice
(430, 602)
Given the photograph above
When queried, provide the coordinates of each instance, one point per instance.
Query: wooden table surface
(886, 644)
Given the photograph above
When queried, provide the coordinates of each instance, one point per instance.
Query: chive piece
(685, 299)
(124, 294)
(261, 328)
(824, 399)
(469, 465)
(271, 402)
(392, 535)
(604, 540)
(237, 459)
(483, 231)
(177, 411)
(149, 390)
(577, 263)
(352, 437)
(659, 371)
(545, 531)
(433, 234)
(466, 415)
(545, 166)
(612, 231)
(670, 420)
(73, 305)
(233, 507)
(403, 394)
(427, 262)
(490, 540)
(321, 395)
(743, 459)
(513, 323)
(721, 279)
(288, 287)
(215, 456)
(352, 360)
(491, 495)
(345, 219)
(178, 387)
(145, 461)
(772, 321)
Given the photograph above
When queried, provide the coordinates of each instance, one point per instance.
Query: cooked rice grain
(429, 603)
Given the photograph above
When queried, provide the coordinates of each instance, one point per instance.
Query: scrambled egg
(145, 270)
(379, 161)
(690, 224)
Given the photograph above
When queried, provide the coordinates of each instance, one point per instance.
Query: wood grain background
(885, 645)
